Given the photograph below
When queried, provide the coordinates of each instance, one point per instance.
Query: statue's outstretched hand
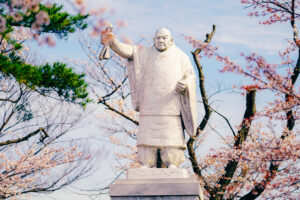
(107, 36)
(106, 39)
(180, 86)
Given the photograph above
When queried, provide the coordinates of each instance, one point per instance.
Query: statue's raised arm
(108, 39)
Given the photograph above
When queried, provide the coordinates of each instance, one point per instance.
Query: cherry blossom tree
(39, 103)
(261, 160)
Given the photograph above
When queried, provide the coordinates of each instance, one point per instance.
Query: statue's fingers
(182, 86)
(177, 89)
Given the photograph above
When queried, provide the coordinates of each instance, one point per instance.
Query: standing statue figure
(163, 91)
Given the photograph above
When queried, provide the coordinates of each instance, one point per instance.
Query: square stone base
(156, 173)
(157, 198)
(169, 185)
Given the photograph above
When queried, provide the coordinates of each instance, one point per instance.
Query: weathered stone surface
(156, 184)
(175, 187)
(158, 198)
(153, 173)
(163, 91)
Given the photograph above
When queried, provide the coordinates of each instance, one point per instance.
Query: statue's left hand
(180, 86)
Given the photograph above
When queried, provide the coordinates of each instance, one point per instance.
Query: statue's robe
(153, 76)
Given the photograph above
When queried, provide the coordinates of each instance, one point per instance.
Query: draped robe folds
(153, 76)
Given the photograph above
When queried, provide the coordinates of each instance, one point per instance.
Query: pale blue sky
(235, 33)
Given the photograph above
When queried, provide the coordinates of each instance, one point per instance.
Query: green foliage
(61, 23)
(56, 80)
(47, 79)
(24, 113)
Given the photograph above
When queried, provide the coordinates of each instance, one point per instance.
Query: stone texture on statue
(165, 184)
(163, 90)
(157, 198)
(154, 173)
(155, 187)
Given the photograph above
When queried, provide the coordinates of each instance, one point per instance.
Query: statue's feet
(172, 166)
(144, 167)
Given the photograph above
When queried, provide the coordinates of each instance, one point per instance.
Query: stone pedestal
(156, 184)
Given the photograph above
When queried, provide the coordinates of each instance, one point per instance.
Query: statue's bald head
(162, 39)
(163, 31)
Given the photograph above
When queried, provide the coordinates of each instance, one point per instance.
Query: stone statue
(163, 91)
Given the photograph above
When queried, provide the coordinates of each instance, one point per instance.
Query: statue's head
(162, 39)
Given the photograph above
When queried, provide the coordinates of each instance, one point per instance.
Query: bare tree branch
(226, 119)
(22, 139)
(109, 107)
(190, 144)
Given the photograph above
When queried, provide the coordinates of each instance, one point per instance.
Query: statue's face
(162, 40)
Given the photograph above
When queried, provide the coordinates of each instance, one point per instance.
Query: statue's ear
(172, 41)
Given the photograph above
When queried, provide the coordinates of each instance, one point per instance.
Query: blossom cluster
(21, 170)
(261, 148)
(18, 9)
(264, 75)
(273, 10)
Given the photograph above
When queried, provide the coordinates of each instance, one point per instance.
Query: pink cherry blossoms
(273, 10)
(260, 159)
(27, 168)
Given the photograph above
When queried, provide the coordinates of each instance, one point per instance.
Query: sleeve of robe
(134, 70)
(188, 101)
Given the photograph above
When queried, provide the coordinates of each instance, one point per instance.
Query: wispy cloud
(246, 32)
(194, 17)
